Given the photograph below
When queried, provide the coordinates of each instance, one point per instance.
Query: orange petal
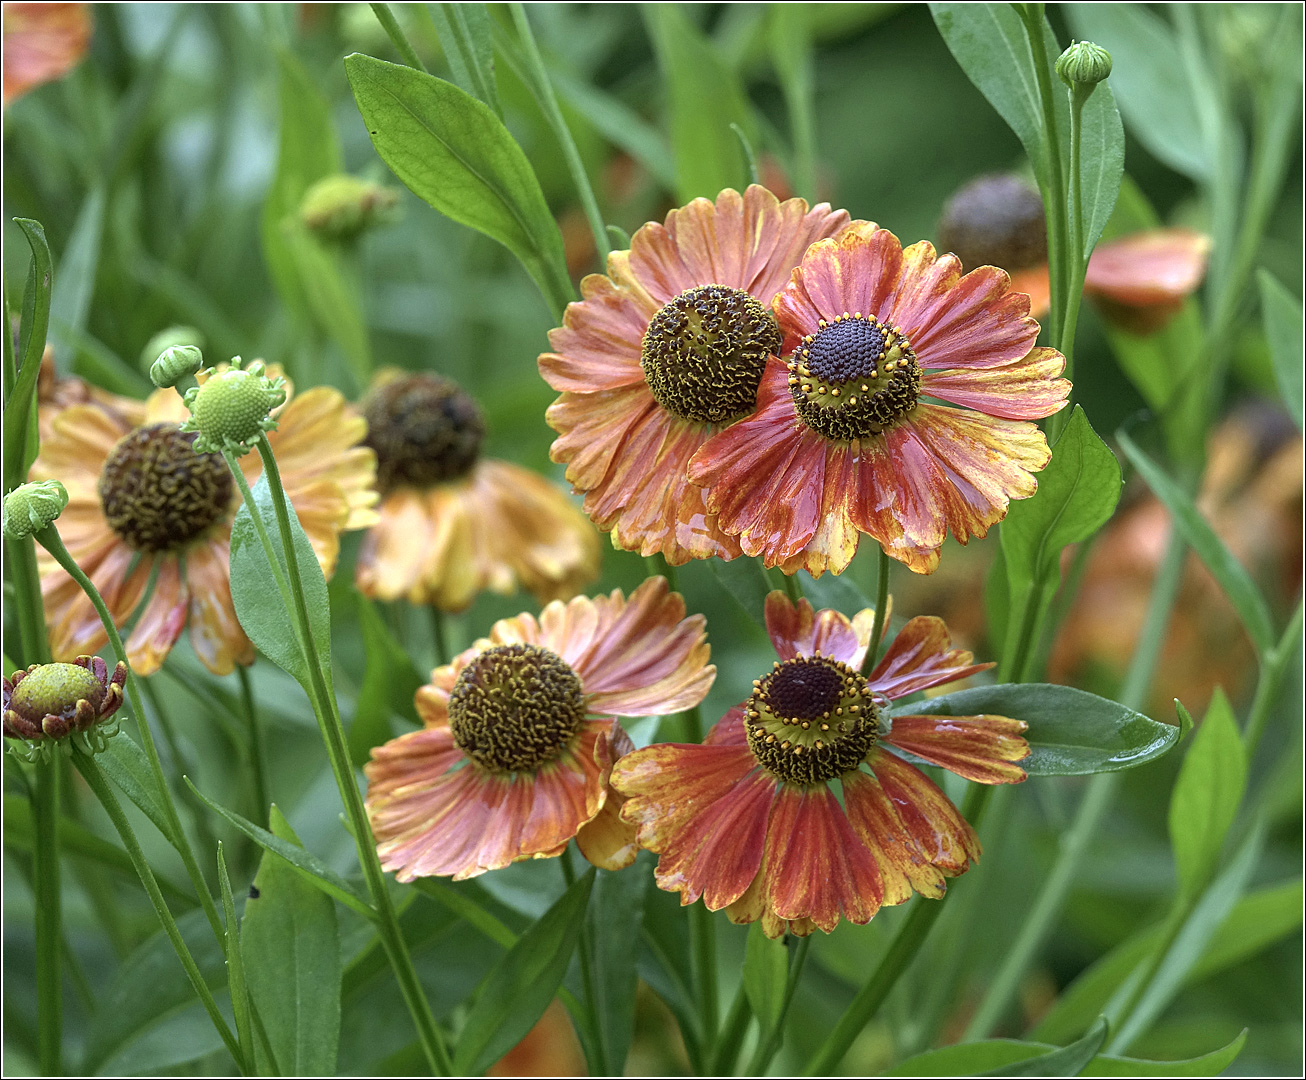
(980, 748)
(1158, 266)
(921, 656)
(939, 831)
(798, 630)
(599, 344)
(215, 632)
(162, 622)
(1023, 390)
(903, 865)
(42, 42)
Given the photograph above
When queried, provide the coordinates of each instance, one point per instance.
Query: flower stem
(537, 78)
(49, 539)
(49, 918)
(585, 955)
(258, 765)
(702, 946)
(397, 37)
(770, 1044)
(732, 1035)
(95, 781)
(881, 613)
(1092, 807)
(1274, 665)
(902, 950)
(333, 734)
(440, 637)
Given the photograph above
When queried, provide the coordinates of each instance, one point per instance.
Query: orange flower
(143, 503)
(453, 523)
(1141, 280)
(749, 822)
(665, 351)
(843, 441)
(519, 736)
(42, 42)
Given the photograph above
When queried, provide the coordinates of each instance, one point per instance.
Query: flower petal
(980, 748)
(599, 344)
(939, 831)
(799, 630)
(1025, 390)
(921, 656)
(903, 865)
(162, 622)
(1158, 266)
(215, 632)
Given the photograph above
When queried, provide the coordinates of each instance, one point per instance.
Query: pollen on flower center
(705, 351)
(158, 494)
(425, 430)
(515, 707)
(854, 377)
(810, 719)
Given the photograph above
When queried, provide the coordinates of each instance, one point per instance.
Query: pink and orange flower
(42, 42)
(749, 821)
(520, 736)
(144, 506)
(666, 350)
(846, 440)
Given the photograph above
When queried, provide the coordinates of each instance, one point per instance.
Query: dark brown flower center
(704, 353)
(995, 220)
(158, 494)
(854, 377)
(425, 430)
(811, 719)
(55, 690)
(515, 707)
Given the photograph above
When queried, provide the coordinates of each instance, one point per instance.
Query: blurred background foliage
(168, 170)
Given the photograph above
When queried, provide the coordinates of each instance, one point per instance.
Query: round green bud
(231, 409)
(167, 339)
(29, 508)
(175, 364)
(1084, 64)
(340, 207)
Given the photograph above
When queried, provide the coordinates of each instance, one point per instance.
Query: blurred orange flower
(42, 42)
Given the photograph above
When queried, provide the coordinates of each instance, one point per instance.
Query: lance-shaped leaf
(1281, 312)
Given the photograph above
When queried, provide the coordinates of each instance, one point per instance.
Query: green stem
(49, 539)
(333, 734)
(881, 613)
(911, 935)
(1076, 261)
(1097, 798)
(585, 955)
(26, 580)
(732, 1035)
(790, 582)
(702, 945)
(538, 81)
(397, 37)
(49, 918)
(1273, 668)
(95, 781)
(770, 1045)
(440, 637)
(258, 765)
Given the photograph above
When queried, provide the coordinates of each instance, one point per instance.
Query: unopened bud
(1084, 64)
(29, 508)
(232, 408)
(167, 339)
(175, 364)
(340, 207)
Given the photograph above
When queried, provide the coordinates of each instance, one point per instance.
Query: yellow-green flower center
(811, 719)
(55, 690)
(515, 707)
(854, 377)
(158, 494)
(705, 351)
(232, 405)
(425, 430)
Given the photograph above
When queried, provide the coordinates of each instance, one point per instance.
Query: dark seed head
(425, 430)
(995, 220)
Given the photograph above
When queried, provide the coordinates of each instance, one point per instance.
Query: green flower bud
(167, 339)
(1084, 64)
(175, 364)
(29, 508)
(231, 408)
(57, 704)
(340, 207)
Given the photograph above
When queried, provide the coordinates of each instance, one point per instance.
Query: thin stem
(770, 1045)
(328, 716)
(790, 582)
(1076, 260)
(881, 613)
(702, 947)
(49, 539)
(548, 102)
(440, 637)
(26, 580)
(258, 765)
(95, 781)
(902, 951)
(397, 37)
(49, 918)
(1273, 668)
(585, 954)
(1092, 808)
(732, 1035)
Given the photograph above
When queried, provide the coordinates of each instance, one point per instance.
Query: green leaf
(1185, 719)
(1281, 312)
(1212, 1064)
(235, 963)
(151, 989)
(1228, 571)
(77, 269)
(1102, 162)
(292, 952)
(389, 683)
(970, 1059)
(766, 970)
(615, 916)
(520, 986)
(1071, 732)
(465, 34)
(746, 582)
(125, 763)
(1206, 795)
(258, 601)
(20, 409)
(313, 869)
(1066, 1061)
(704, 97)
(834, 591)
(452, 151)
(1148, 81)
